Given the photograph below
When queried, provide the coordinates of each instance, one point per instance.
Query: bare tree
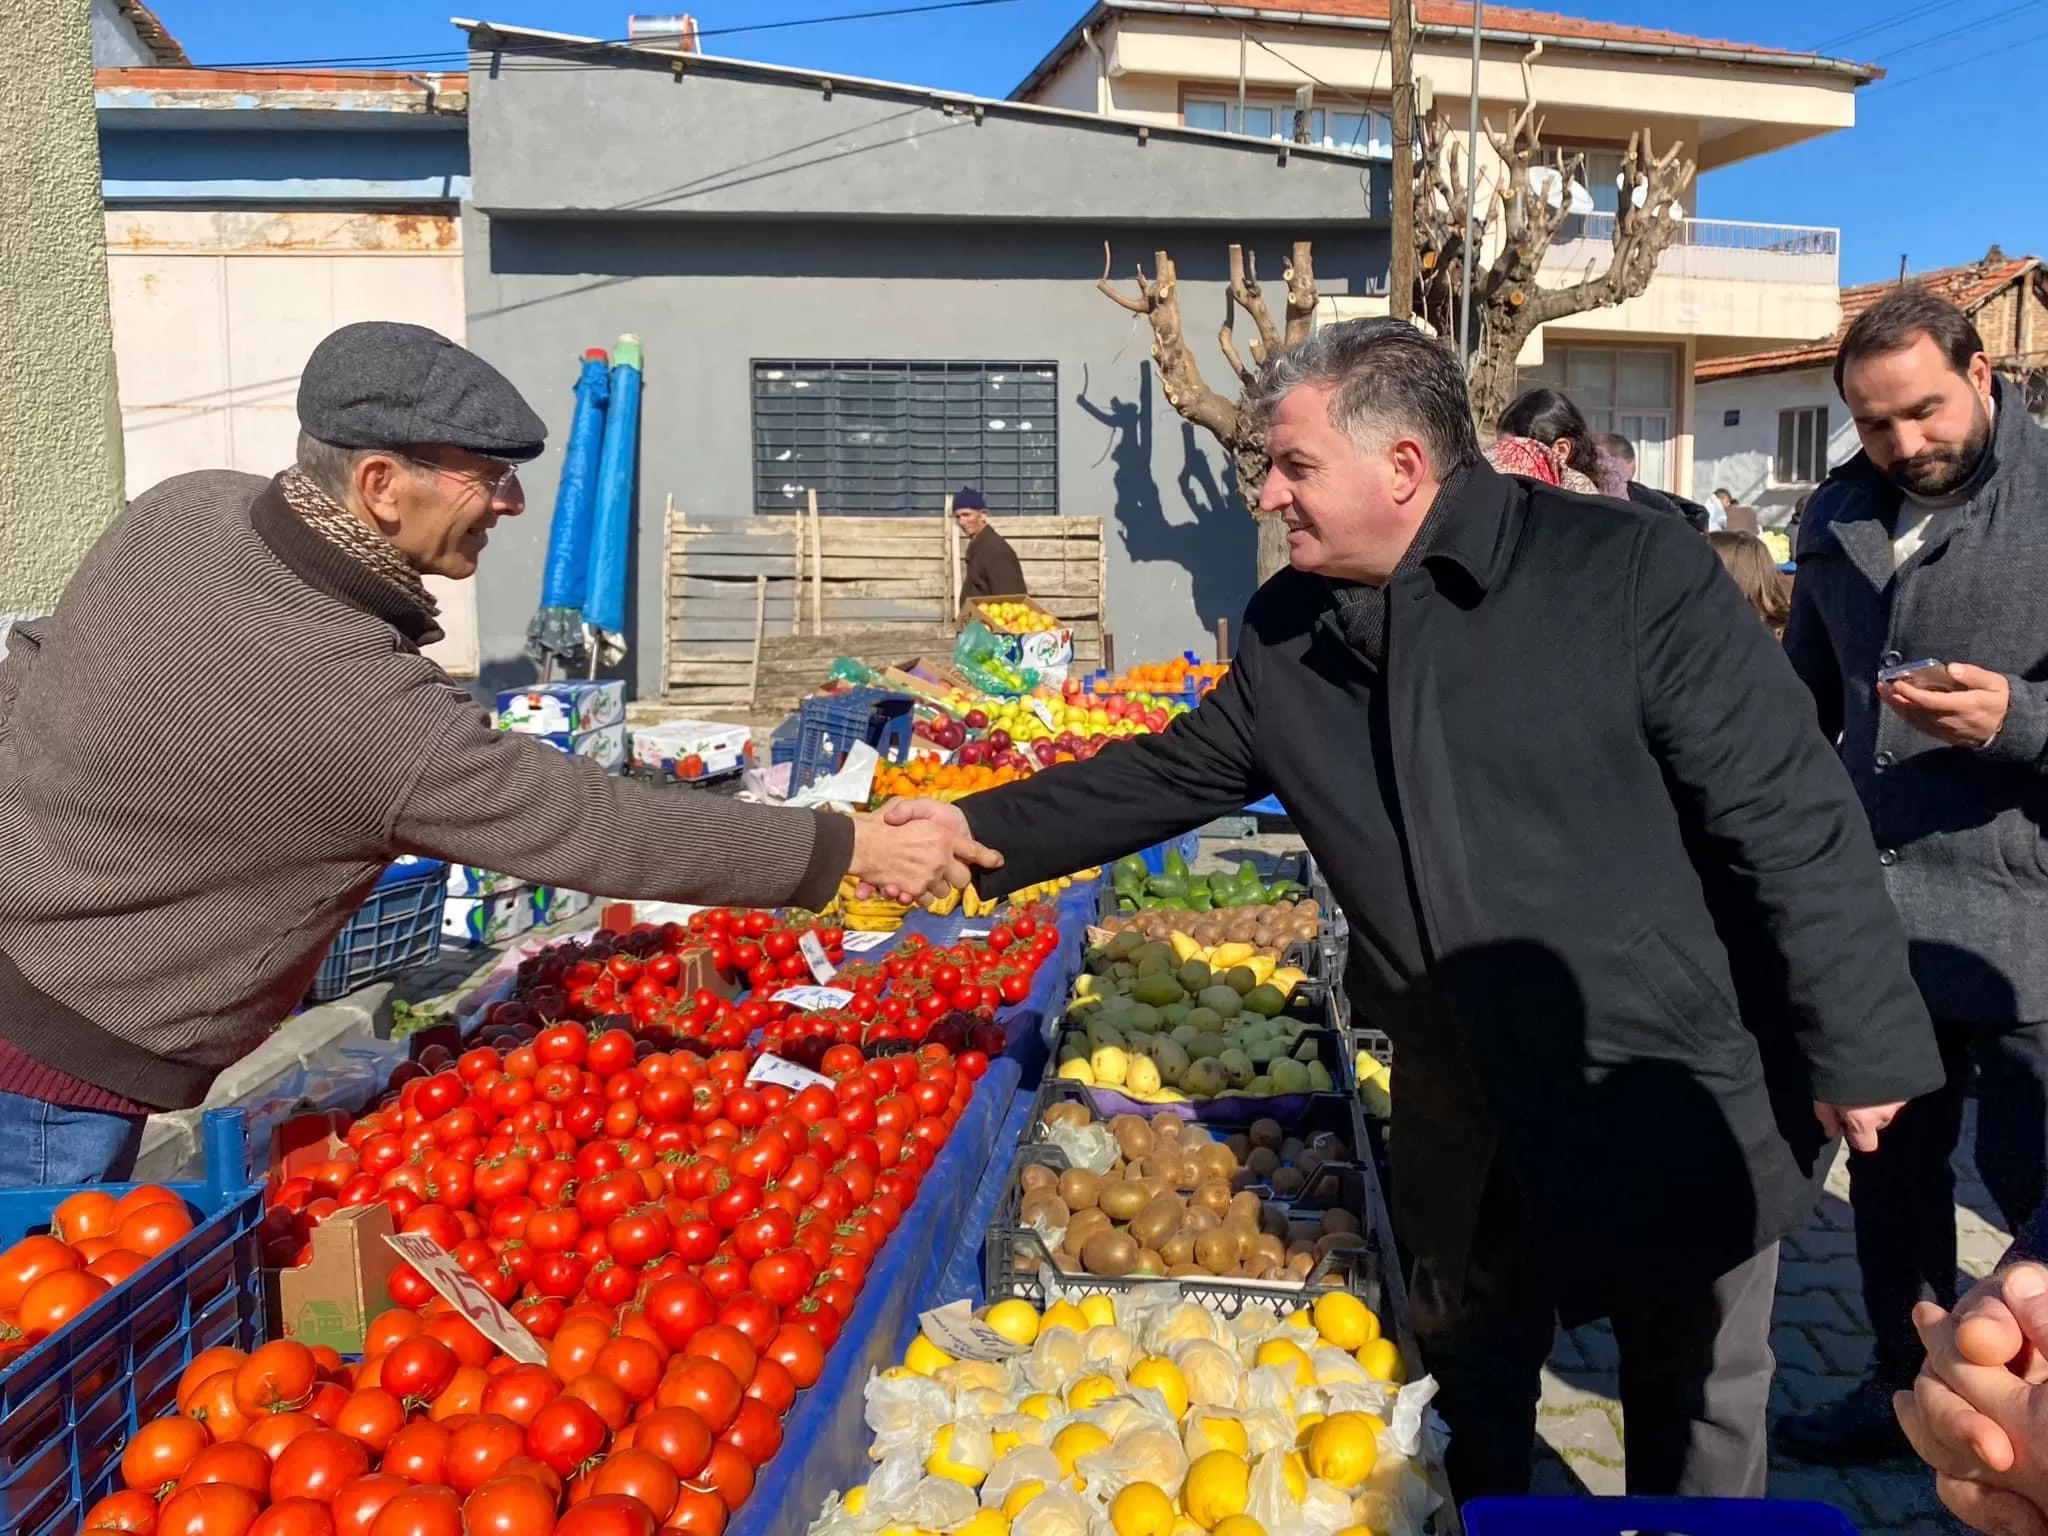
(1522, 211)
(1226, 419)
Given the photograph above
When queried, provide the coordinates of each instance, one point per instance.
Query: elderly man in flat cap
(226, 730)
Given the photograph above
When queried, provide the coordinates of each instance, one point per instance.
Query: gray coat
(1959, 831)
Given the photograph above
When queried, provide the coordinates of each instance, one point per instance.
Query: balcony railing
(1760, 253)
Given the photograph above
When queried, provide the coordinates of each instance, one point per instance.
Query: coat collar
(1480, 528)
(328, 569)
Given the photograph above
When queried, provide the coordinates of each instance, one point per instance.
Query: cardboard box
(492, 919)
(605, 746)
(1049, 653)
(562, 709)
(334, 1298)
(552, 905)
(468, 880)
(724, 748)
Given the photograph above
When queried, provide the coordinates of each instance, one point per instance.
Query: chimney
(1994, 257)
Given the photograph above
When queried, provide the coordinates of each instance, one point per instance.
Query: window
(894, 439)
(1629, 390)
(1361, 130)
(1802, 446)
(1599, 172)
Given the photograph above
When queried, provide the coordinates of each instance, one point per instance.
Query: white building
(1768, 426)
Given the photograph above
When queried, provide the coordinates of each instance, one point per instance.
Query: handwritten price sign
(461, 1291)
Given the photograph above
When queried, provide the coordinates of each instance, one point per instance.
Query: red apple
(952, 735)
(973, 753)
(999, 739)
(977, 719)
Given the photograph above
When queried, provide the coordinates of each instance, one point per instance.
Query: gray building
(878, 291)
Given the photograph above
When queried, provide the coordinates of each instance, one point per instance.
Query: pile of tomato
(95, 1242)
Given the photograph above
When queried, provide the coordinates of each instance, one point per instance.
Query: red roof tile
(1449, 13)
(156, 37)
(252, 82)
(1967, 287)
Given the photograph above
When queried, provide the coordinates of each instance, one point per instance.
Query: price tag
(973, 933)
(461, 1291)
(956, 1330)
(811, 999)
(1044, 712)
(787, 1074)
(861, 943)
(822, 969)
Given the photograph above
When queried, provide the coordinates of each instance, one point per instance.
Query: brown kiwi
(1344, 1222)
(1109, 1253)
(1287, 1181)
(1262, 1164)
(1291, 1150)
(1213, 1196)
(1244, 1206)
(1273, 1222)
(1267, 1133)
(1067, 1113)
(1268, 1250)
(1085, 1225)
(1222, 1161)
(1132, 1135)
(1246, 1238)
(1187, 1271)
(1121, 1199)
(1216, 1252)
(1156, 1221)
(1197, 1222)
(1168, 1125)
(1240, 1145)
(1037, 1176)
(1300, 1264)
(1149, 1263)
(1177, 1250)
(1043, 1208)
(1080, 1188)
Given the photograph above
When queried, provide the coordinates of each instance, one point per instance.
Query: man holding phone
(1918, 625)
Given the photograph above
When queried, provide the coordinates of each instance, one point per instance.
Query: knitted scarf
(355, 538)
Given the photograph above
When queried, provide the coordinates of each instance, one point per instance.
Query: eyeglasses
(492, 485)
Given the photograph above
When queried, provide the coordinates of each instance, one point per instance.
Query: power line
(427, 59)
(1942, 69)
(1882, 24)
(1964, 30)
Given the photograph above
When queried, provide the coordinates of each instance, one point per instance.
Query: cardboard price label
(822, 969)
(956, 1330)
(811, 999)
(787, 1074)
(1044, 712)
(467, 1297)
(861, 943)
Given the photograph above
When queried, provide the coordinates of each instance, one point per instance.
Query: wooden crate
(742, 593)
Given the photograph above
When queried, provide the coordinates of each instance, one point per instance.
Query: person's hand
(1978, 1414)
(909, 857)
(1858, 1125)
(1970, 715)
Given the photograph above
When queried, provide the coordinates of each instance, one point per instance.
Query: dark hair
(1548, 416)
(1616, 446)
(1907, 312)
(1750, 562)
(1385, 373)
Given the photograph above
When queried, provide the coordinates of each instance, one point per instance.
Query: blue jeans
(48, 1145)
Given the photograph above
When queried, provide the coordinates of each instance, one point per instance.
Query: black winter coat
(1650, 905)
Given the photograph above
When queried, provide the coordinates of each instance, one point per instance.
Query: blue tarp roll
(567, 576)
(604, 605)
(825, 1437)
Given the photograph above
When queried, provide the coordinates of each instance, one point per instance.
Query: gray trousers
(1695, 1374)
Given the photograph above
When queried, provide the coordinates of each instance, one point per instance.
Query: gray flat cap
(380, 384)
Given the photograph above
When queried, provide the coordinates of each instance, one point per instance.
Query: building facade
(1723, 288)
(1770, 425)
(876, 292)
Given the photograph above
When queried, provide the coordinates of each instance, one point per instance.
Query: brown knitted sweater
(211, 749)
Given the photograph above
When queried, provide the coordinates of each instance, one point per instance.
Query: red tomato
(730, 1474)
(678, 1436)
(419, 1452)
(565, 1434)
(608, 1514)
(417, 1370)
(356, 1505)
(519, 1393)
(728, 1346)
(762, 1234)
(316, 1465)
(679, 1307)
(772, 1386)
(509, 1506)
(209, 1509)
(705, 1387)
(420, 1512)
(798, 1351)
(233, 1462)
(783, 1278)
(755, 1432)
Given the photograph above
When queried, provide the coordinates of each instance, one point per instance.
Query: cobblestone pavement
(1822, 1340)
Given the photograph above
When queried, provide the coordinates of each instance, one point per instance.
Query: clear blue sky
(1936, 169)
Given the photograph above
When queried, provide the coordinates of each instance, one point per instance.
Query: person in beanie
(225, 731)
(990, 568)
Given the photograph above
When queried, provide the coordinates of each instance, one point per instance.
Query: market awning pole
(1471, 184)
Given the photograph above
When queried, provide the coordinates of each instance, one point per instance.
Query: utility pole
(1401, 274)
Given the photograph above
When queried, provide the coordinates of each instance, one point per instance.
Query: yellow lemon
(1239, 1525)
(1064, 1314)
(1300, 1318)
(1076, 1441)
(1040, 1405)
(925, 1357)
(1219, 1485)
(1183, 1526)
(1357, 1530)
(986, 1522)
(1382, 1361)
(1099, 1310)
(1345, 1321)
(1141, 1509)
(856, 1500)
(941, 1463)
(1304, 1427)
(1088, 1391)
(1006, 1441)
(1015, 1320)
(1288, 1356)
(1019, 1496)
(1222, 1434)
(1294, 1472)
(1165, 1378)
(1343, 1449)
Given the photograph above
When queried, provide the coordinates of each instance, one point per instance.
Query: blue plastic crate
(1679, 1517)
(397, 928)
(69, 1405)
(1189, 844)
(829, 728)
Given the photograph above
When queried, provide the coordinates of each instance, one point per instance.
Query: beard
(1940, 471)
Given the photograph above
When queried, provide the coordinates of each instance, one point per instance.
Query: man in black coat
(1612, 895)
(1932, 545)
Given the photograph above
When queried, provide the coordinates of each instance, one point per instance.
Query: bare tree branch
(1251, 298)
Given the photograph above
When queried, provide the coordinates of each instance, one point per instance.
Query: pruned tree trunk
(1524, 209)
(1230, 421)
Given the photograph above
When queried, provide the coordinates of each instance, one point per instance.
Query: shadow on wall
(1218, 548)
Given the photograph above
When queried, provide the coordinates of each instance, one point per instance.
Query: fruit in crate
(1018, 619)
(868, 914)
(1176, 889)
(1165, 677)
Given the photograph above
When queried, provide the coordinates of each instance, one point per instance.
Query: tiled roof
(1967, 287)
(1448, 13)
(163, 47)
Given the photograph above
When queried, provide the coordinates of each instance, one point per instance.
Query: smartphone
(1927, 674)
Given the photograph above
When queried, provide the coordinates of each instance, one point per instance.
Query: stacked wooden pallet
(757, 608)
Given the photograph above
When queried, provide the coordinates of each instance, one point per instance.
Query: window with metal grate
(896, 438)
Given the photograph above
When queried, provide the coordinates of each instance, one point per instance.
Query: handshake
(912, 849)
